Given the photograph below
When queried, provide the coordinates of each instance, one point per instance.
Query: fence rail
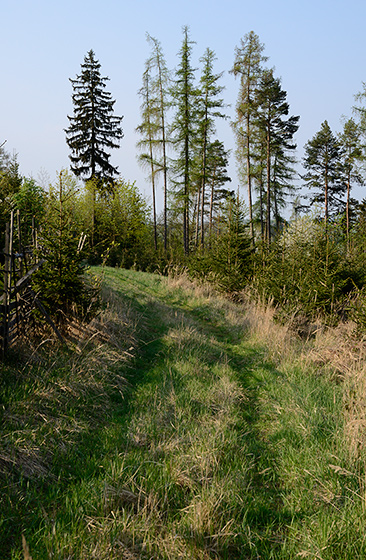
(18, 299)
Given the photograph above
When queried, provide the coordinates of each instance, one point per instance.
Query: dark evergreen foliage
(93, 128)
(10, 183)
(61, 282)
(275, 132)
(184, 126)
(324, 175)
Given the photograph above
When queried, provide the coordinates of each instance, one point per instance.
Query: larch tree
(154, 128)
(160, 90)
(351, 154)
(93, 129)
(322, 162)
(209, 105)
(360, 110)
(248, 67)
(148, 129)
(184, 127)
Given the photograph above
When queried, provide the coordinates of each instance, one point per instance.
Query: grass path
(212, 449)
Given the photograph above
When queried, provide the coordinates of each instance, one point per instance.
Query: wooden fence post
(18, 298)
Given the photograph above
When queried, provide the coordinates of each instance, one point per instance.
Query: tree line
(179, 145)
(205, 226)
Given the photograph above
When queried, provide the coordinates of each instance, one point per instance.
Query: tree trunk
(347, 210)
(250, 202)
(268, 187)
(198, 204)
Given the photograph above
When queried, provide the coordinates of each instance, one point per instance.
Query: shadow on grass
(261, 513)
(30, 504)
(31, 499)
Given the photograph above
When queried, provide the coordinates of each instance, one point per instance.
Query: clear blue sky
(316, 46)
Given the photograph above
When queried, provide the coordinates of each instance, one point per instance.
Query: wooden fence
(18, 298)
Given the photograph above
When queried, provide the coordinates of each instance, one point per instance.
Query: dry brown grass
(334, 349)
(37, 422)
(26, 553)
(183, 281)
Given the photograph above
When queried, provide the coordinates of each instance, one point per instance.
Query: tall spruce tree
(324, 175)
(248, 67)
(93, 130)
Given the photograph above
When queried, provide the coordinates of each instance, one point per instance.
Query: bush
(228, 261)
(308, 271)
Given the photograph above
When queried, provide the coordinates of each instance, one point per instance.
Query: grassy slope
(181, 436)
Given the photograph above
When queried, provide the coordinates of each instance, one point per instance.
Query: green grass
(175, 433)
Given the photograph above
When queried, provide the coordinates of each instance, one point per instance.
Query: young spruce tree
(60, 281)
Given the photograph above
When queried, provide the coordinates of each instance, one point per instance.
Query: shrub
(60, 282)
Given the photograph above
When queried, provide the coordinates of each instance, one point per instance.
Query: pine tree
(93, 128)
(276, 131)
(282, 182)
(324, 174)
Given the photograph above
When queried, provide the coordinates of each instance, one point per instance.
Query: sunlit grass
(181, 426)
